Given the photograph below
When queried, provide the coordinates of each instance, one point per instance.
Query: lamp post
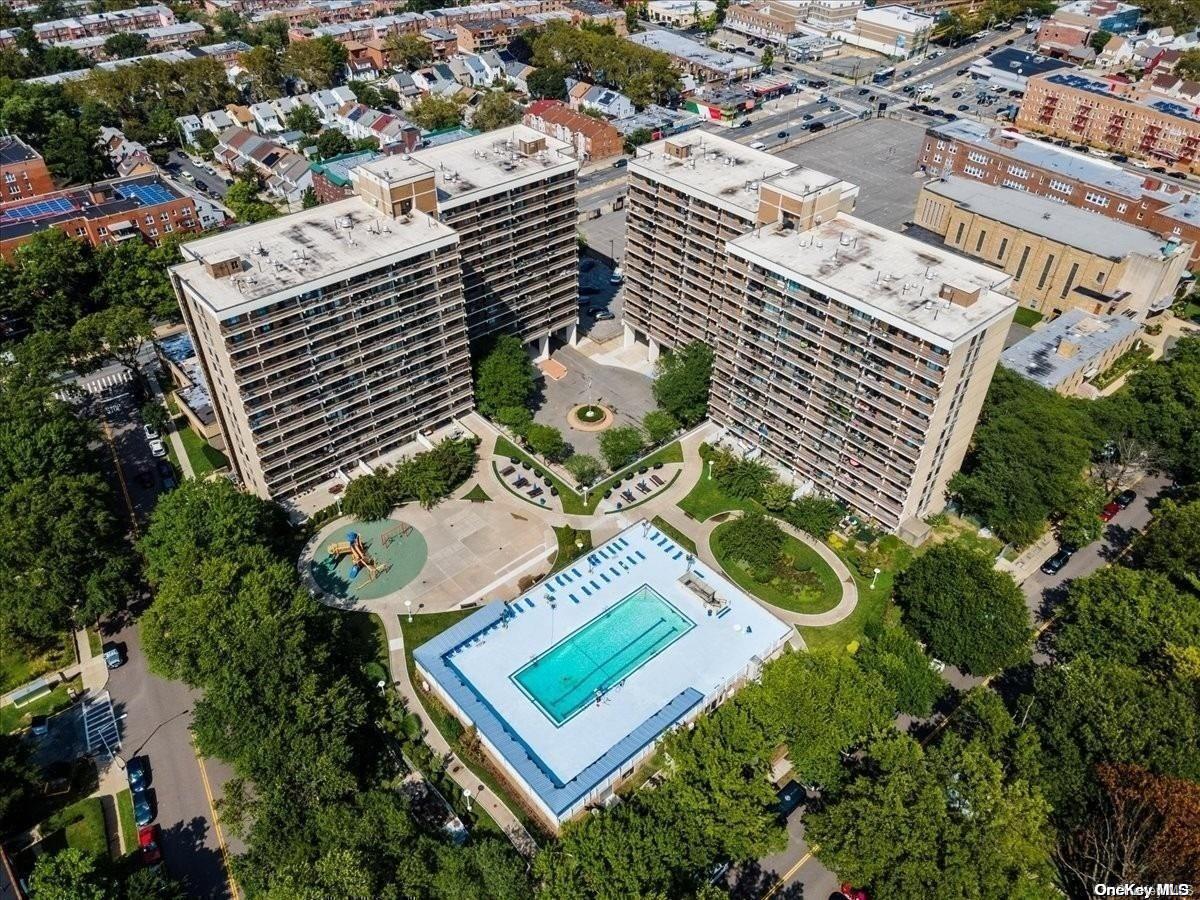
(874, 577)
(710, 462)
(408, 607)
(467, 798)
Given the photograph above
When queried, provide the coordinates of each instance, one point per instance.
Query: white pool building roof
(717, 638)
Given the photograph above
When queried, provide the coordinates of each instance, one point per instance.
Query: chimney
(679, 151)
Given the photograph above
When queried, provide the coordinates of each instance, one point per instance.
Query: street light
(467, 798)
(710, 462)
(873, 577)
(408, 606)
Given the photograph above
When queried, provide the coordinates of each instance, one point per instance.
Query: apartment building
(858, 360)
(1060, 257)
(1002, 157)
(1069, 30)
(1109, 113)
(592, 138)
(138, 18)
(780, 21)
(1077, 346)
(23, 172)
(166, 37)
(510, 196)
(331, 178)
(482, 35)
(144, 207)
(696, 59)
(327, 338)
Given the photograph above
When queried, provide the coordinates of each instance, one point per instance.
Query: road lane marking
(120, 474)
(786, 876)
(212, 808)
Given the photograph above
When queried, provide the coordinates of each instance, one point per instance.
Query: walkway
(455, 768)
(172, 435)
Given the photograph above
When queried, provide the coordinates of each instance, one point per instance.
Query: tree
(1127, 616)
(1171, 544)
(242, 198)
(518, 418)
(304, 118)
(331, 143)
(309, 199)
(50, 282)
(584, 469)
(19, 779)
(41, 436)
(644, 75)
(942, 822)
(547, 83)
(1080, 523)
(1188, 64)
(547, 441)
(1161, 409)
(433, 113)
(114, 334)
(504, 376)
(69, 874)
(263, 73)
(753, 540)
(125, 44)
(368, 497)
(134, 273)
(682, 380)
(1099, 39)
(970, 614)
(768, 58)
(155, 415)
(904, 668)
(620, 445)
(817, 516)
(317, 61)
(660, 425)
(407, 50)
(743, 478)
(495, 110)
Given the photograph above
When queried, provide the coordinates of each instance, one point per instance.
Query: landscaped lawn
(477, 495)
(203, 456)
(568, 551)
(82, 824)
(707, 499)
(18, 665)
(367, 632)
(1027, 317)
(802, 582)
(128, 824)
(14, 718)
(674, 534)
(95, 642)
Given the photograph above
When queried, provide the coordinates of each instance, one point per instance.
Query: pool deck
(563, 765)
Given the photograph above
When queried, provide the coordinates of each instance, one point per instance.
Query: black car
(816, 126)
(789, 796)
(862, 92)
(621, 163)
(963, 107)
(1180, 175)
(1054, 564)
(138, 772)
(1124, 498)
(950, 117)
(961, 72)
(745, 123)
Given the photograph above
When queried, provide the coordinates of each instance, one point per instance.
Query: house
(518, 74)
(266, 118)
(593, 139)
(286, 173)
(128, 157)
(402, 84)
(189, 128)
(436, 79)
(611, 104)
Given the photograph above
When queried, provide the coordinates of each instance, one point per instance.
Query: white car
(157, 449)
(151, 434)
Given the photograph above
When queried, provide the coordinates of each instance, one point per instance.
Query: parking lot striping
(212, 809)
(100, 726)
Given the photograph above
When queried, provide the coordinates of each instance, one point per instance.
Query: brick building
(138, 18)
(23, 172)
(592, 138)
(998, 157)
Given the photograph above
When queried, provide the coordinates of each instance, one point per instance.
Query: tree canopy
(644, 75)
(433, 113)
(495, 110)
(1171, 543)
(504, 376)
(682, 380)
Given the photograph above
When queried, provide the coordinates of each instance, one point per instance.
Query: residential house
(286, 173)
(593, 139)
(611, 104)
(266, 118)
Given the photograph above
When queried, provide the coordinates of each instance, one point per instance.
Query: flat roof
(1014, 61)
(476, 660)
(1037, 356)
(1081, 81)
(695, 53)
(13, 150)
(1057, 221)
(901, 18)
(132, 195)
(890, 276)
(721, 170)
(284, 255)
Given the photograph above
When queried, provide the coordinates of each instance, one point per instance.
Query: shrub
(776, 496)
(754, 540)
(546, 440)
(368, 497)
(584, 469)
(741, 478)
(620, 445)
(659, 425)
(817, 516)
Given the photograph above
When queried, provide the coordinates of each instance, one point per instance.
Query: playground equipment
(402, 531)
(354, 547)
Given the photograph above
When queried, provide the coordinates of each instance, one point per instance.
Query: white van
(758, 145)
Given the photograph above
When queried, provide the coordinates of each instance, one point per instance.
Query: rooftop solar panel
(39, 209)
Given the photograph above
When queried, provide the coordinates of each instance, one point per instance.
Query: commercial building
(780, 21)
(1075, 347)
(1010, 69)
(701, 62)
(995, 156)
(1106, 113)
(107, 212)
(894, 31)
(569, 686)
(1060, 257)
(854, 358)
(1069, 30)
(679, 13)
(592, 138)
(327, 338)
(23, 172)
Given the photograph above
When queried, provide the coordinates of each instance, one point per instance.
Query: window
(1003, 247)
(959, 234)
(1061, 186)
(979, 241)
(1045, 271)
(978, 157)
(1066, 288)
(1021, 264)
(1097, 199)
(1015, 185)
(1018, 171)
(1121, 207)
(974, 170)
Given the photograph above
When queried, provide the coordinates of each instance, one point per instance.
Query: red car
(149, 839)
(1106, 514)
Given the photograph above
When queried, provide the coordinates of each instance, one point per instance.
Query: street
(795, 871)
(180, 165)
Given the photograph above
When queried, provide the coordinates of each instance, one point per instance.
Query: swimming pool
(589, 661)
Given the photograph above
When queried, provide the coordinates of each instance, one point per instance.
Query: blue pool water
(598, 655)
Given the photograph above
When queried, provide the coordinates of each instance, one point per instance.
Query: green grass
(95, 642)
(572, 503)
(204, 458)
(1027, 317)
(674, 534)
(706, 498)
(568, 552)
(671, 453)
(125, 817)
(366, 631)
(421, 629)
(14, 719)
(82, 824)
(19, 665)
(477, 495)
(813, 595)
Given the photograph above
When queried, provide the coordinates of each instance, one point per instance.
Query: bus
(884, 73)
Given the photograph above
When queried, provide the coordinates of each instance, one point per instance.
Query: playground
(368, 560)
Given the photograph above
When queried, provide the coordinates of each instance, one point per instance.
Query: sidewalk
(172, 435)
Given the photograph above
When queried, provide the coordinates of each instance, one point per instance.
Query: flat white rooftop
(887, 275)
(282, 256)
(480, 164)
(634, 674)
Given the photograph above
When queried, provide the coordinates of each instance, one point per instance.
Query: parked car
(617, 276)
(150, 842)
(39, 725)
(143, 808)
(114, 657)
(157, 448)
(963, 107)
(807, 117)
(150, 433)
(782, 135)
(1054, 564)
(816, 126)
(1124, 498)
(137, 770)
(603, 315)
(745, 123)
(1109, 512)
(789, 797)
(862, 92)
(621, 163)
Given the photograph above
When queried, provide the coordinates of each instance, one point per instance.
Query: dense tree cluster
(427, 477)
(681, 382)
(505, 380)
(599, 56)
(286, 701)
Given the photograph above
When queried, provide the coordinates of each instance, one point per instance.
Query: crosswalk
(100, 726)
(100, 383)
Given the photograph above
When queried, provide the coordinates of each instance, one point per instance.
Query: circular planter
(590, 417)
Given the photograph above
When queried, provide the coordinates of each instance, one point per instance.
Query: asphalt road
(157, 712)
(795, 872)
(179, 163)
